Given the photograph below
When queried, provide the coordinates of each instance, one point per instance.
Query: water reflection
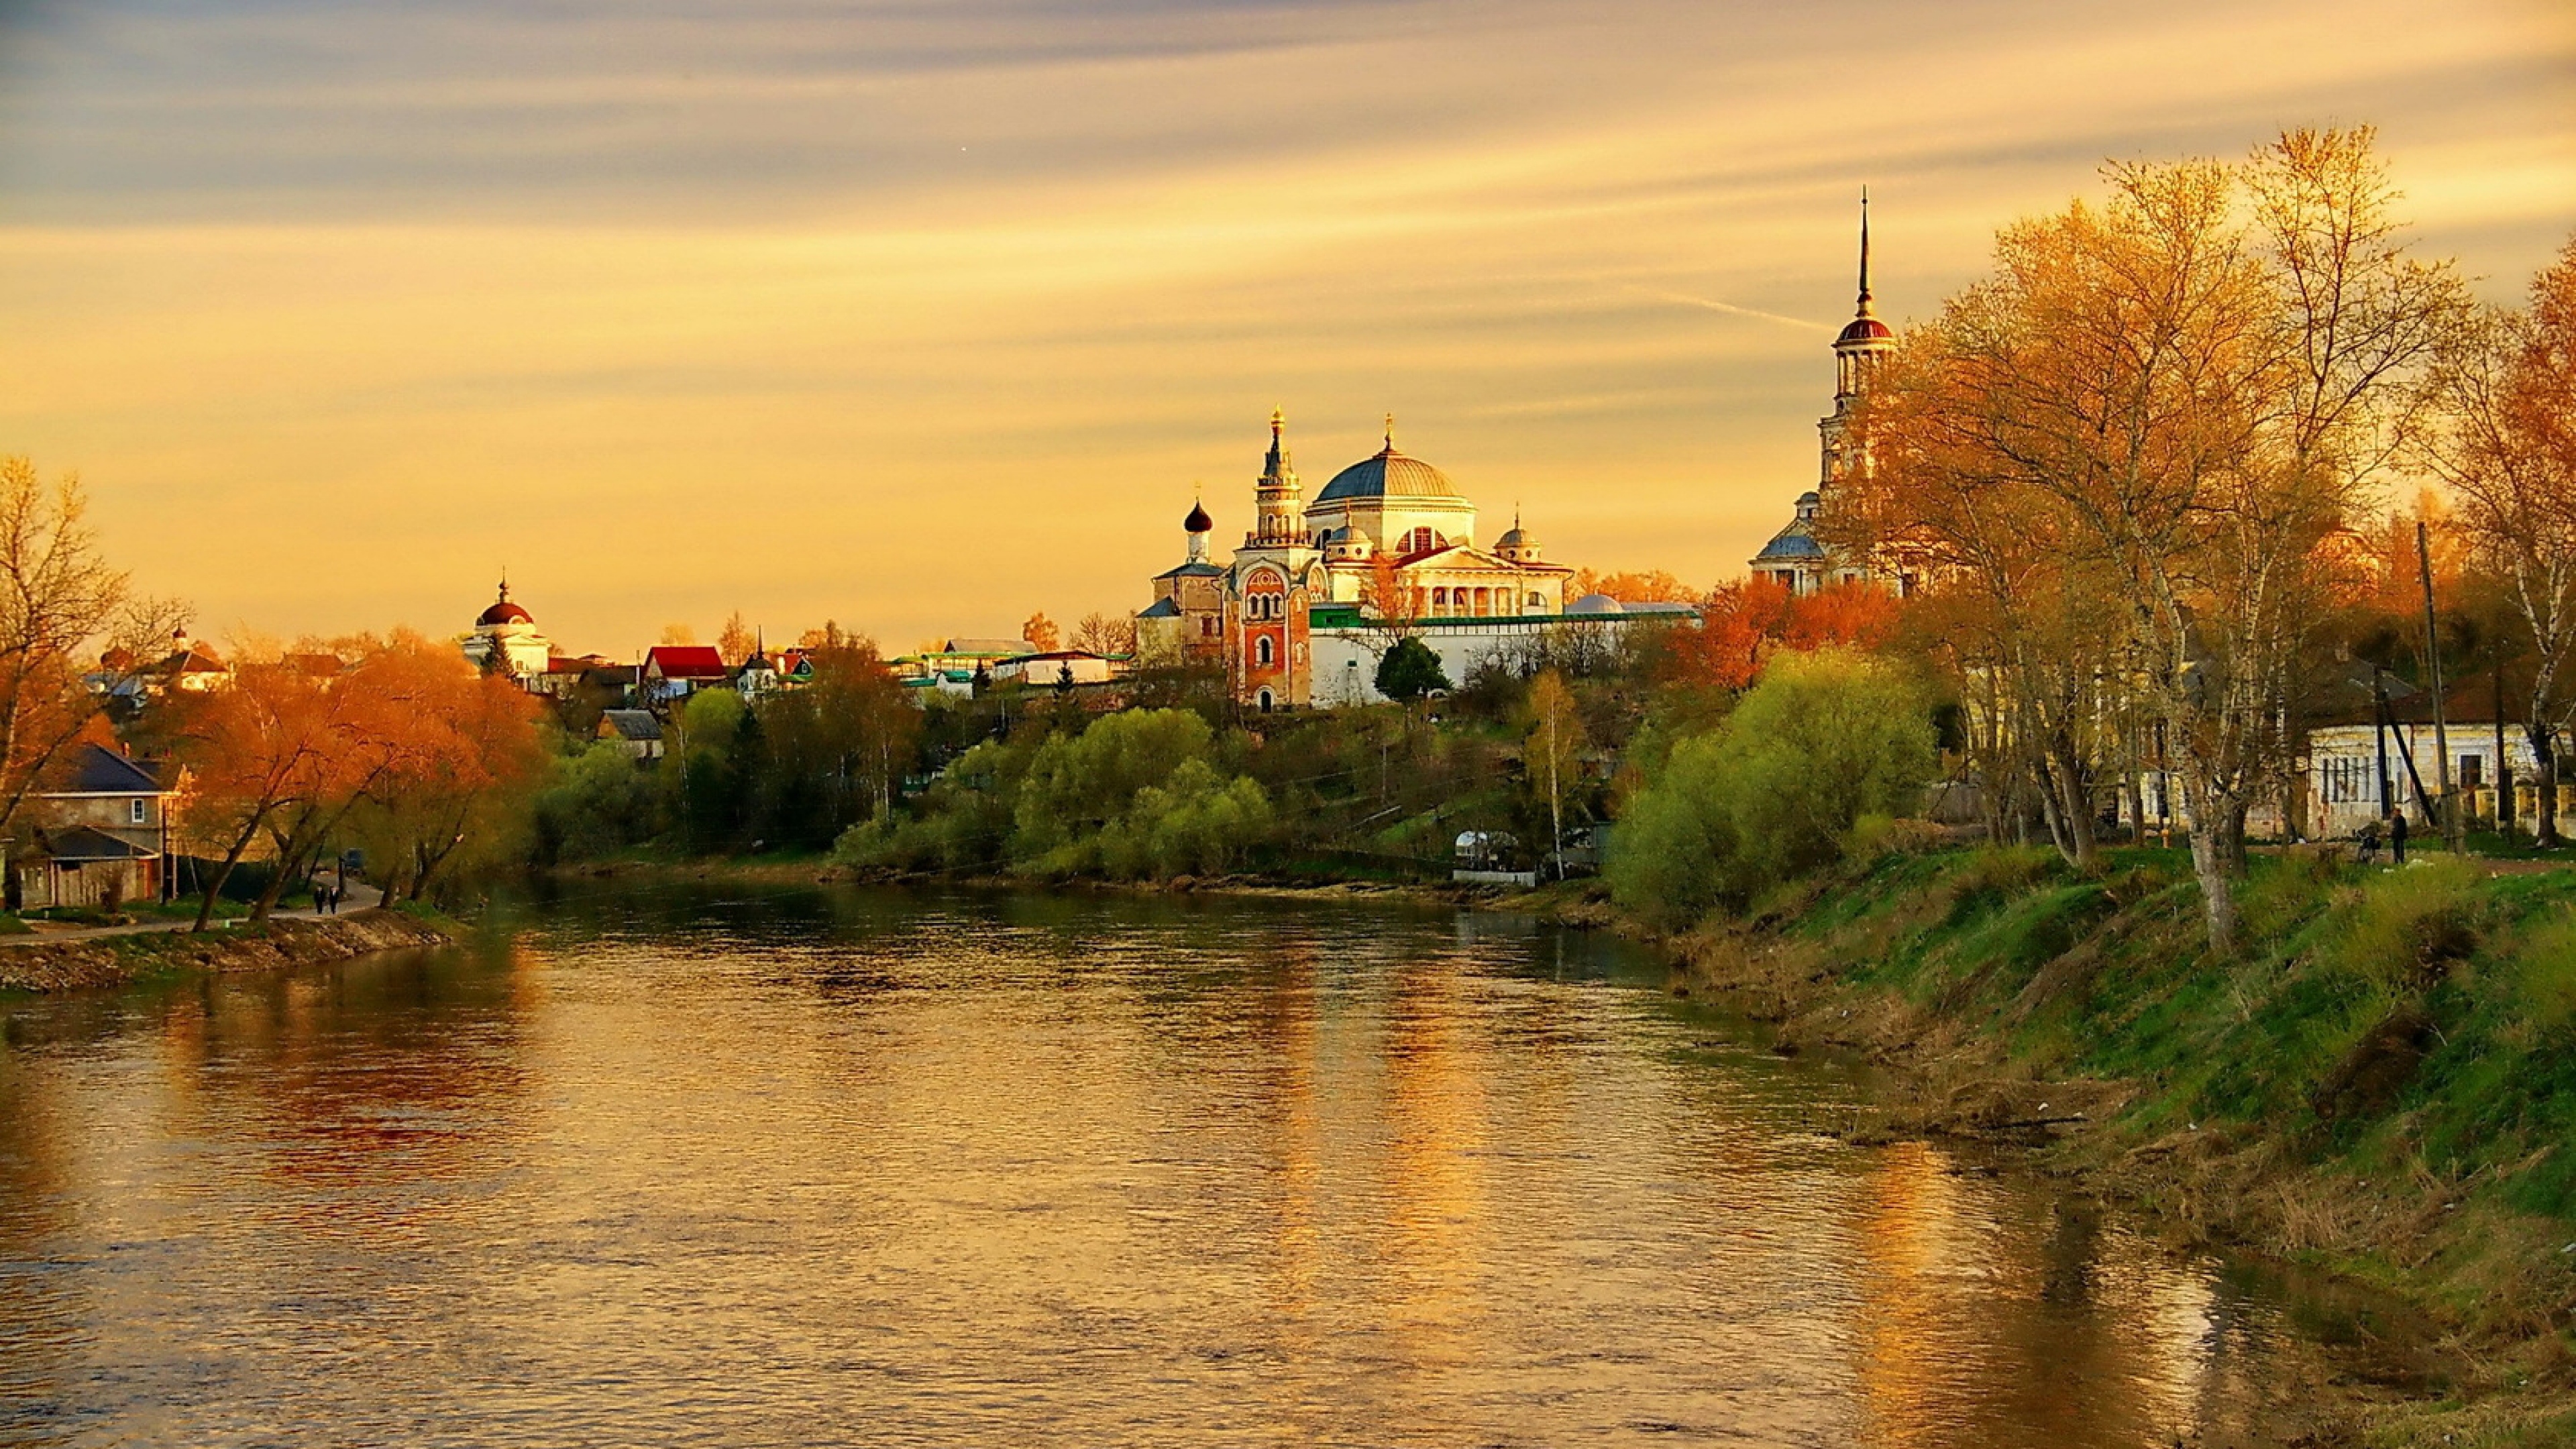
(796, 1167)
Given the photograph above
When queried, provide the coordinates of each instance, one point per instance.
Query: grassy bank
(2383, 1083)
(106, 961)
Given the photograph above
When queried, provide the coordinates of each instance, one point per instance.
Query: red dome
(1864, 329)
(504, 612)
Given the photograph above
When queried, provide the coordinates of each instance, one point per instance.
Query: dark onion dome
(1863, 329)
(1389, 474)
(1516, 537)
(1198, 521)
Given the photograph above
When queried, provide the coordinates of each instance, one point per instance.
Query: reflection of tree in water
(41, 1308)
(384, 1071)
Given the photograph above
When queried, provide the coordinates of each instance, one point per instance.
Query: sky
(923, 316)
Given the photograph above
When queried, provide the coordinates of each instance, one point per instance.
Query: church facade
(1796, 558)
(1390, 538)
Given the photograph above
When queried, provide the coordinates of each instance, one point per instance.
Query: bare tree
(2505, 441)
(59, 599)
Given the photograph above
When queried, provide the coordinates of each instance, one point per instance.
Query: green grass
(2413, 1029)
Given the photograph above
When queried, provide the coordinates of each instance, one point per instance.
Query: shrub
(1775, 791)
(2546, 953)
(2409, 925)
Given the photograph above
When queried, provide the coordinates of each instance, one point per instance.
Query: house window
(1534, 600)
(138, 811)
(2473, 772)
(2346, 782)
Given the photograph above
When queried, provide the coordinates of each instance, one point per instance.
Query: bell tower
(1859, 350)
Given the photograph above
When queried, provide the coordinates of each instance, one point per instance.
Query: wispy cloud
(950, 302)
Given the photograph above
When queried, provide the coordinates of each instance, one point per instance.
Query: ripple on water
(812, 1167)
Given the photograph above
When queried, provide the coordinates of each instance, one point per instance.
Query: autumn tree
(1040, 633)
(1552, 754)
(58, 601)
(2193, 384)
(737, 640)
(273, 751)
(1639, 586)
(2505, 441)
(464, 758)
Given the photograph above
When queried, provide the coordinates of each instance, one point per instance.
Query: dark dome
(1864, 329)
(504, 612)
(1198, 521)
(1390, 474)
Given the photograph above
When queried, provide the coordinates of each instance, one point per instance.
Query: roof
(1797, 541)
(194, 659)
(630, 724)
(1185, 571)
(85, 842)
(503, 612)
(1863, 329)
(98, 770)
(687, 661)
(1388, 474)
(1007, 647)
(1162, 609)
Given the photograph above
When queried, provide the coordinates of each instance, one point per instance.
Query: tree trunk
(214, 884)
(2210, 865)
(2544, 759)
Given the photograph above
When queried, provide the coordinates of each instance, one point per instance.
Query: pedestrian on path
(2397, 837)
(321, 896)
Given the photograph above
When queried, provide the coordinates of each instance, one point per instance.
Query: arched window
(1265, 701)
(1261, 650)
(1535, 601)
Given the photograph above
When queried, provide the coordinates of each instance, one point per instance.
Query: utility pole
(2451, 822)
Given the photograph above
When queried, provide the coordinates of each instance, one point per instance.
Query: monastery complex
(1320, 588)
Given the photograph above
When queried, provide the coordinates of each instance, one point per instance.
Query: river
(667, 1165)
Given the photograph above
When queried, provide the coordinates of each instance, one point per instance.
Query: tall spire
(1278, 515)
(1864, 251)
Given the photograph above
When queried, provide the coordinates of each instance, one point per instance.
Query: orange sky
(922, 317)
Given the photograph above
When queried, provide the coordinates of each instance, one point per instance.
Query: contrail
(1801, 323)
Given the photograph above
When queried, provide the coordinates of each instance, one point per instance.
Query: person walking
(2368, 844)
(321, 896)
(2397, 836)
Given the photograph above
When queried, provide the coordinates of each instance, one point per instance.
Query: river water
(672, 1166)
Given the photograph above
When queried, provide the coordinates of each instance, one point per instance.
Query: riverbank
(105, 961)
(2383, 1085)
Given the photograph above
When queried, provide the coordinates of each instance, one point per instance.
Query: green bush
(1776, 790)
(2546, 953)
(2409, 925)
(1136, 794)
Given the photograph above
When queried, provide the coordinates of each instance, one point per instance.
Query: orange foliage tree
(1743, 624)
(283, 754)
(1646, 586)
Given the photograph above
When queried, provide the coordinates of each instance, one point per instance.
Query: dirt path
(361, 897)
